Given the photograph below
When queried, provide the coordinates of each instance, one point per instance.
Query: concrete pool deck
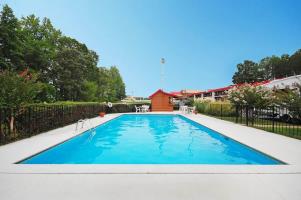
(153, 181)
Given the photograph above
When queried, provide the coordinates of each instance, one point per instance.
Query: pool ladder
(83, 121)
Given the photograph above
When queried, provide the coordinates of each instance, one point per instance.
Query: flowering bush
(290, 99)
(254, 96)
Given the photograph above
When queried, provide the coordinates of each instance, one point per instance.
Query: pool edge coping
(150, 168)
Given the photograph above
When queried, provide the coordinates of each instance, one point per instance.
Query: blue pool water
(151, 139)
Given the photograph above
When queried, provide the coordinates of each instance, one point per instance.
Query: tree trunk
(11, 126)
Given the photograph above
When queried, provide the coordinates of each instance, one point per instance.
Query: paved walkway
(154, 181)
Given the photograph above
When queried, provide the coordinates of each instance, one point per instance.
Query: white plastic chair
(184, 109)
(138, 108)
(190, 110)
(144, 108)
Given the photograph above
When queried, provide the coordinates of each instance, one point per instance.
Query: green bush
(215, 108)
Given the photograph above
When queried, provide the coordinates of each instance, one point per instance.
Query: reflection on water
(161, 128)
(146, 139)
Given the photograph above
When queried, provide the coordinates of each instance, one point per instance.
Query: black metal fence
(281, 120)
(31, 120)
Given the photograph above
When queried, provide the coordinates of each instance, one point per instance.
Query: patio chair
(191, 110)
(144, 108)
(181, 104)
(184, 109)
(138, 108)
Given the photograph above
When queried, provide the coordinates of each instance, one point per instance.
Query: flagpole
(162, 72)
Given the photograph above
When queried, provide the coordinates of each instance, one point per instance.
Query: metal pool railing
(281, 120)
(18, 123)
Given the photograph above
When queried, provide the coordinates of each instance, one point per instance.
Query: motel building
(184, 94)
(220, 94)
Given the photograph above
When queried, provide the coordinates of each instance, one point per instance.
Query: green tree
(247, 72)
(16, 92)
(64, 69)
(68, 74)
(47, 93)
(110, 84)
(268, 68)
(116, 84)
(10, 43)
(102, 84)
(281, 68)
(40, 45)
(295, 62)
(90, 91)
(73, 65)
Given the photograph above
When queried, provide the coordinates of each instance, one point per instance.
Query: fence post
(221, 111)
(236, 114)
(251, 115)
(1, 126)
(273, 118)
(29, 120)
(247, 115)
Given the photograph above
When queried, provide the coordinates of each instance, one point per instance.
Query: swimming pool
(151, 139)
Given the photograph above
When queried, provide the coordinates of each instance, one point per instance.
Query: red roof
(161, 91)
(254, 84)
(260, 83)
(221, 89)
(231, 86)
(176, 93)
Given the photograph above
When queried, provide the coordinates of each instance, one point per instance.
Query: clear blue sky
(202, 41)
